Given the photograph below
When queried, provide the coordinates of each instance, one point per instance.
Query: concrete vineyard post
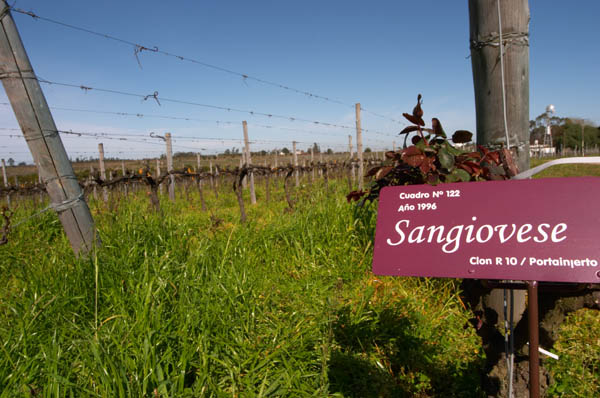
(295, 157)
(249, 163)
(170, 167)
(102, 171)
(359, 150)
(35, 120)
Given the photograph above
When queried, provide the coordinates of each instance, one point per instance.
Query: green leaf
(446, 159)
(461, 175)
(454, 151)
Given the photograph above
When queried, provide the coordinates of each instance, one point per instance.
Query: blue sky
(381, 54)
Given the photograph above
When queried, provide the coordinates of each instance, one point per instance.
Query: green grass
(566, 170)
(194, 304)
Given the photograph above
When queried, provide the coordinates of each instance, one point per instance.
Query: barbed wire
(138, 49)
(146, 139)
(218, 122)
(156, 96)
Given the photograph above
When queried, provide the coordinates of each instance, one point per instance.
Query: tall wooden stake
(249, 163)
(350, 156)
(312, 163)
(501, 85)
(170, 167)
(359, 149)
(5, 181)
(102, 171)
(160, 187)
(126, 185)
(497, 105)
(36, 122)
(295, 156)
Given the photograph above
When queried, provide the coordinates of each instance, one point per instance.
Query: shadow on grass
(381, 355)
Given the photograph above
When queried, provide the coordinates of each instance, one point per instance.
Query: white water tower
(548, 136)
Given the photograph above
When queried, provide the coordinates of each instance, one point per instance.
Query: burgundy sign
(543, 230)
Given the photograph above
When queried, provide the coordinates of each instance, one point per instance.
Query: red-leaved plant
(433, 160)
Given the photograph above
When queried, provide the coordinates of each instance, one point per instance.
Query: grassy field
(194, 304)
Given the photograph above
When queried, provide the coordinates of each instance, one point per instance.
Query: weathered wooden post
(170, 167)
(126, 185)
(160, 186)
(94, 190)
(249, 163)
(242, 163)
(351, 157)
(499, 42)
(359, 150)
(312, 163)
(320, 161)
(501, 74)
(5, 181)
(36, 122)
(102, 171)
(295, 157)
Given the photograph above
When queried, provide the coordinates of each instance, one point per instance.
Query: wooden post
(170, 167)
(312, 163)
(350, 156)
(38, 127)
(160, 187)
(359, 149)
(394, 146)
(102, 171)
(295, 157)
(501, 86)
(126, 185)
(213, 178)
(276, 159)
(94, 190)
(249, 163)
(320, 161)
(5, 181)
(499, 106)
(242, 163)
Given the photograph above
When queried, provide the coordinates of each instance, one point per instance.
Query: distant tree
(11, 162)
(329, 151)
(285, 151)
(316, 148)
(566, 132)
(22, 164)
(367, 150)
(228, 151)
